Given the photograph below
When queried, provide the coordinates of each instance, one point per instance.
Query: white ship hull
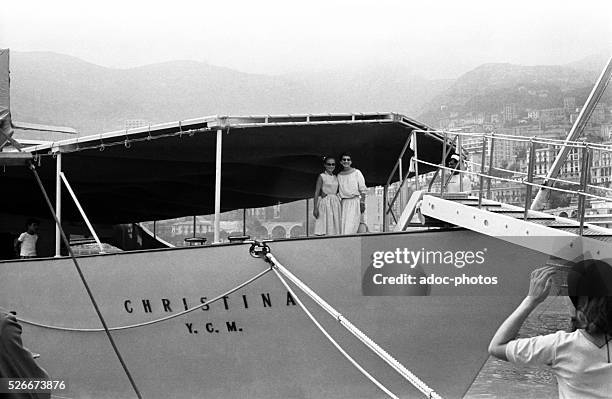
(255, 343)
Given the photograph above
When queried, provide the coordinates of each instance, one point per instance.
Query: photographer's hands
(540, 284)
(539, 288)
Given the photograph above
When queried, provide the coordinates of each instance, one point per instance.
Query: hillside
(56, 89)
(595, 62)
(61, 90)
(489, 87)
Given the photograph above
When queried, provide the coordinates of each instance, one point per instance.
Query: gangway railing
(581, 155)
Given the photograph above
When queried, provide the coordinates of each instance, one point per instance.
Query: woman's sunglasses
(330, 164)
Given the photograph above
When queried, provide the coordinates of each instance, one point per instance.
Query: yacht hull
(256, 342)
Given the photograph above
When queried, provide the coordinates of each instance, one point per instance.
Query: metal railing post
(437, 172)
(491, 155)
(584, 182)
(460, 151)
(384, 215)
(401, 180)
(482, 165)
(415, 158)
(395, 196)
(530, 170)
(443, 164)
(386, 207)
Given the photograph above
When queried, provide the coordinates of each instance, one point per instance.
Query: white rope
(390, 360)
(147, 323)
(332, 340)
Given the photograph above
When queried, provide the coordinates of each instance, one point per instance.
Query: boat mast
(575, 132)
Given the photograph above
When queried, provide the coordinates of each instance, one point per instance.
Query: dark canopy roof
(168, 170)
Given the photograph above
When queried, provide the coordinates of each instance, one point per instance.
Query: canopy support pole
(58, 202)
(218, 187)
(307, 215)
(244, 221)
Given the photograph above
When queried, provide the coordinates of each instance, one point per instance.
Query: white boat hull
(256, 343)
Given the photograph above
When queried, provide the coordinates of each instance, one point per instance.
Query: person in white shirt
(352, 191)
(580, 360)
(453, 183)
(27, 241)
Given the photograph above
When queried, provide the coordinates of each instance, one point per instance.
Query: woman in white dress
(352, 191)
(326, 201)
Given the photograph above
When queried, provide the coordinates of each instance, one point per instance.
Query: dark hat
(591, 278)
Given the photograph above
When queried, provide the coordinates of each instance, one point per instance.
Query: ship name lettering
(167, 305)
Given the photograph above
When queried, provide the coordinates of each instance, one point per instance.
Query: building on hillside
(533, 114)
(545, 157)
(504, 151)
(601, 168)
(508, 193)
(569, 103)
(599, 114)
(606, 131)
(510, 112)
(552, 115)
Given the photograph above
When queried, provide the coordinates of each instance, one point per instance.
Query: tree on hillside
(559, 199)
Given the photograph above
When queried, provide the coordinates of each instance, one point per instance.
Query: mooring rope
(332, 340)
(147, 323)
(390, 360)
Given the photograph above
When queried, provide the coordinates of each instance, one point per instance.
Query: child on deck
(580, 360)
(27, 241)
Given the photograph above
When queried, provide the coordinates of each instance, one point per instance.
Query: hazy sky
(436, 38)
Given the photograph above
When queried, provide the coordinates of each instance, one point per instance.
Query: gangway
(480, 211)
(539, 231)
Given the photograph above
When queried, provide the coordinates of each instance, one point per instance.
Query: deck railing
(528, 172)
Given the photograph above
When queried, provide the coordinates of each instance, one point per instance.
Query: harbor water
(499, 379)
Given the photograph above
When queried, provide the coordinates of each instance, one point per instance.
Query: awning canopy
(168, 170)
